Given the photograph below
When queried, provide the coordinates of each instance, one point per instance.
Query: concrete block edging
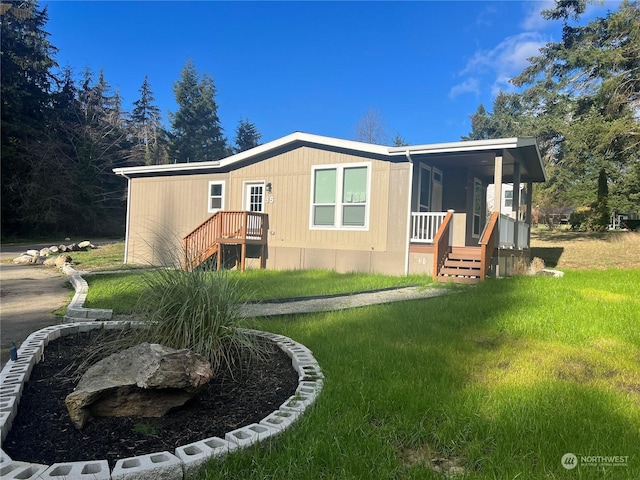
(187, 459)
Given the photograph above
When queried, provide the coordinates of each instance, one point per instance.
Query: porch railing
(442, 243)
(507, 233)
(488, 244)
(224, 228)
(425, 226)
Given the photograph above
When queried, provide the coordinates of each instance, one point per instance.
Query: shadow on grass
(550, 255)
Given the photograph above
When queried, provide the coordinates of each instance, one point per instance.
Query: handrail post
(444, 235)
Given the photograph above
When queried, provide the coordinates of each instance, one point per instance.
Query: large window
(340, 196)
(216, 196)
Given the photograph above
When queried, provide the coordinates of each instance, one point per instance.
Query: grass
(121, 291)
(501, 381)
(586, 250)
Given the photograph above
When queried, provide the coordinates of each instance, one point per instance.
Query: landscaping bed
(42, 431)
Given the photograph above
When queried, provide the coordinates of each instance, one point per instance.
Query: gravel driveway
(28, 296)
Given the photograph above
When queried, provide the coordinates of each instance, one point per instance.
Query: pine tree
(25, 88)
(146, 129)
(247, 136)
(196, 133)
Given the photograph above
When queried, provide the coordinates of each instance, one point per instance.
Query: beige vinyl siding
(164, 209)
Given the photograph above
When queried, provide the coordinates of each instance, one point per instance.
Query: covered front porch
(453, 234)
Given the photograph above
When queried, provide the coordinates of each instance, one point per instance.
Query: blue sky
(316, 67)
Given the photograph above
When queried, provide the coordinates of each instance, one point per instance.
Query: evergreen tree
(247, 136)
(25, 88)
(399, 141)
(196, 134)
(580, 99)
(146, 130)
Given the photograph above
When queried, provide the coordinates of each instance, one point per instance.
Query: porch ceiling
(479, 156)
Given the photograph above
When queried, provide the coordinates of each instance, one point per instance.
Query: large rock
(84, 245)
(147, 380)
(24, 259)
(62, 259)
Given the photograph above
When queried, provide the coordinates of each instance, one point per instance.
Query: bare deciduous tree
(371, 128)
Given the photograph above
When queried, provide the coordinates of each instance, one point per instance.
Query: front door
(253, 200)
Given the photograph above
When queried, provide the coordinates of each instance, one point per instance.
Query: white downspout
(408, 239)
(126, 227)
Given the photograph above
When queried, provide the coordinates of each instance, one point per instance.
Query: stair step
(459, 262)
(474, 272)
(465, 256)
(466, 280)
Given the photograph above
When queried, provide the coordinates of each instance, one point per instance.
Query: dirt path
(28, 296)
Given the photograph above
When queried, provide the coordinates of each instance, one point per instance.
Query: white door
(253, 200)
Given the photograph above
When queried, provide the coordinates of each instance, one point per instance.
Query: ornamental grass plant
(199, 310)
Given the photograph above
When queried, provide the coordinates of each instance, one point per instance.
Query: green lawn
(120, 291)
(501, 380)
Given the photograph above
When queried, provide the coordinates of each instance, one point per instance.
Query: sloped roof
(524, 149)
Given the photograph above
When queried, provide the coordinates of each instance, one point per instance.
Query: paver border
(186, 460)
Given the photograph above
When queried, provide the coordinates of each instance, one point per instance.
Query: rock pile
(53, 256)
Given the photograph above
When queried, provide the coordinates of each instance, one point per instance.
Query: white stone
(250, 434)
(157, 466)
(195, 455)
(22, 470)
(94, 470)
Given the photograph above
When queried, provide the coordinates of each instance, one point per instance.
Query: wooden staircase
(468, 264)
(223, 238)
(462, 265)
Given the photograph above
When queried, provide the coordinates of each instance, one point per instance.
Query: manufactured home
(306, 201)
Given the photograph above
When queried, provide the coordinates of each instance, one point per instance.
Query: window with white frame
(216, 196)
(508, 198)
(339, 196)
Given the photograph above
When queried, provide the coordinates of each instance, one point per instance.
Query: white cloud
(533, 20)
(470, 85)
(505, 61)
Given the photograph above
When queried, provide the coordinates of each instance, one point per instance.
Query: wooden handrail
(442, 244)
(488, 244)
(223, 227)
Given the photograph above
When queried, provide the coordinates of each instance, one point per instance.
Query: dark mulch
(43, 433)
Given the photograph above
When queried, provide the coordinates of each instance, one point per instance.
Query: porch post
(497, 203)
(529, 202)
(497, 184)
(515, 207)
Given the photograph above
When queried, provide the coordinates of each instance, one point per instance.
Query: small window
(216, 196)
(508, 198)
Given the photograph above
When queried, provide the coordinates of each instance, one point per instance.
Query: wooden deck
(213, 237)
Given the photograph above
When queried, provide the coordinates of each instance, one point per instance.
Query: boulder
(85, 244)
(62, 259)
(62, 248)
(33, 253)
(50, 262)
(45, 252)
(40, 260)
(72, 247)
(24, 259)
(54, 249)
(147, 380)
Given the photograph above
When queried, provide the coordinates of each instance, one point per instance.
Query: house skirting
(342, 261)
